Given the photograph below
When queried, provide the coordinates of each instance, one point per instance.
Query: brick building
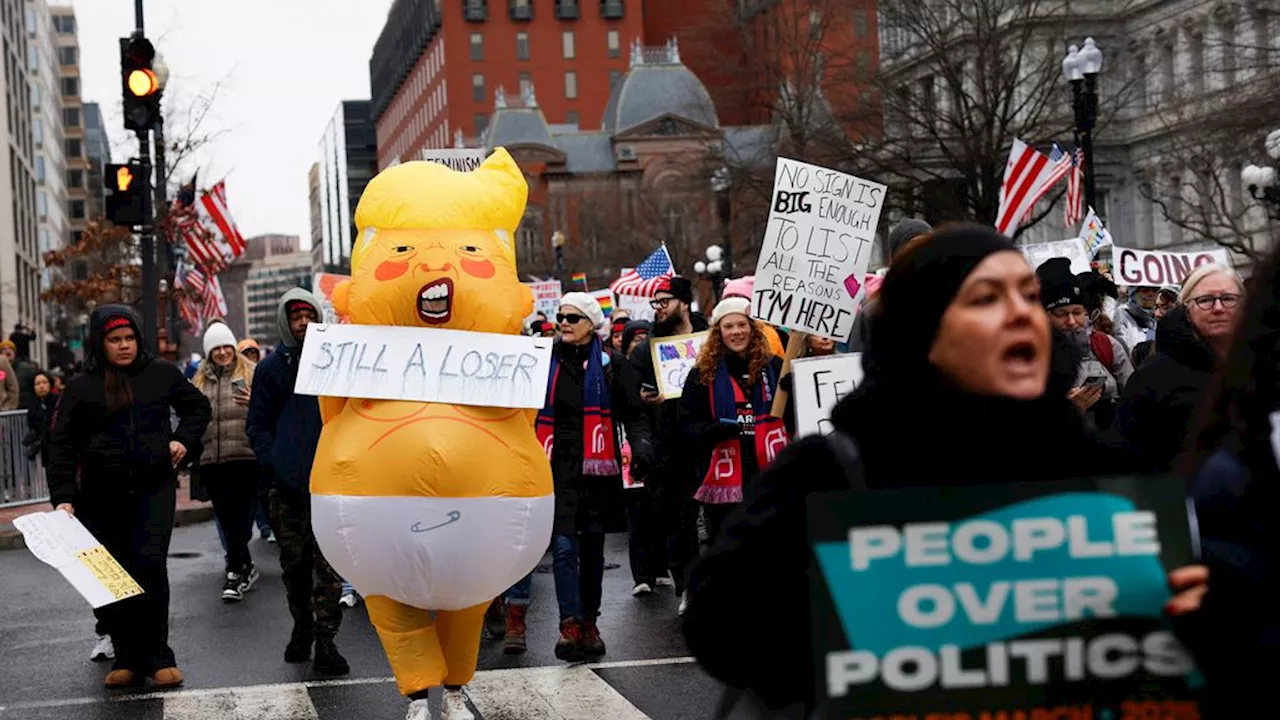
(438, 64)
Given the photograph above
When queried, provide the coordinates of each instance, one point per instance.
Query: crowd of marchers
(978, 369)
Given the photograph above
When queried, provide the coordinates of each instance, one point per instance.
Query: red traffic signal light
(126, 196)
(124, 178)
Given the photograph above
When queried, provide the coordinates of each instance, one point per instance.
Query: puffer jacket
(225, 439)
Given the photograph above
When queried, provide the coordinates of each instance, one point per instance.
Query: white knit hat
(730, 306)
(588, 305)
(216, 336)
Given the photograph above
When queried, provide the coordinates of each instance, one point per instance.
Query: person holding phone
(228, 466)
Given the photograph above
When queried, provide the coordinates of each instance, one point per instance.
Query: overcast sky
(281, 68)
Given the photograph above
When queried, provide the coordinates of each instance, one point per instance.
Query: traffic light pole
(165, 259)
(150, 284)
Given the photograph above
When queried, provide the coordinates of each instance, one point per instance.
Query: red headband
(115, 322)
(299, 305)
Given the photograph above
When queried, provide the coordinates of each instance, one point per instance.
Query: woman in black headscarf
(112, 425)
(958, 369)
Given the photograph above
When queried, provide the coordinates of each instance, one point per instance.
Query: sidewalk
(189, 512)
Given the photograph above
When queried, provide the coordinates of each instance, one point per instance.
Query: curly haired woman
(725, 410)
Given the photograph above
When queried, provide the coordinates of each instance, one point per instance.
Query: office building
(348, 161)
(52, 177)
(437, 66)
(267, 280)
(317, 234)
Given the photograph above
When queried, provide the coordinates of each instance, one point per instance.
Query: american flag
(1074, 211)
(644, 280)
(1025, 181)
(205, 226)
(202, 295)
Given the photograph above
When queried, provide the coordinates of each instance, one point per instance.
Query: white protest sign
(821, 230)
(1153, 268)
(459, 159)
(60, 541)
(546, 296)
(1072, 250)
(673, 358)
(819, 383)
(424, 365)
(1094, 234)
(637, 307)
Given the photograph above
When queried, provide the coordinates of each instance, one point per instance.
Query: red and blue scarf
(599, 454)
(723, 483)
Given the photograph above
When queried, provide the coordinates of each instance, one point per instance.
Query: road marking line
(307, 684)
(256, 703)
(549, 693)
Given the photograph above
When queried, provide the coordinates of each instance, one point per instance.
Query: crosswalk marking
(554, 693)
(287, 703)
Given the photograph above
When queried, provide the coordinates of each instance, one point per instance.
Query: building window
(70, 86)
(571, 117)
(526, 84)
(477, 87)
(71, 117)
(64, 23)
(860, 23)
(38, 132)
(566, 9)
(69, 55)
(615, 45)
(571, 85)
(42, 205)
(475, 10)
(522, 46)
(40, 169)
(611, 9)
(73, 148)
(614, 77)
(481, 123)
(520, 9)
(77, 209)
(567, 41)
(477, 46)
(75, 178)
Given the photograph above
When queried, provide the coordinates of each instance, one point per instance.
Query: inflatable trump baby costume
(432, 510)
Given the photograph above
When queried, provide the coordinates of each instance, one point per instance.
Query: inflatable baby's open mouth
(435, 301)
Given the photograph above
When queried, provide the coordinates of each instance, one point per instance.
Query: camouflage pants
(312, 602)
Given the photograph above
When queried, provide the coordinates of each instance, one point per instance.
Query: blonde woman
(228, 466)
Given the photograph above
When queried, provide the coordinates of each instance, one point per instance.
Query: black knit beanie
(1058, 287)
(917, 290)
(679, 287)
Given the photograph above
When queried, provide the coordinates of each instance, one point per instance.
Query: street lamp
(1081, 67)
(720, 185)
(557, 242)
(714, 269)
(1261, 181)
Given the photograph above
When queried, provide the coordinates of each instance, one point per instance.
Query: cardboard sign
(673, 358)
(459, 159)
(546, 297)
(1153, 268)
(1072, 250)
(325, 284)
(424, 365)
(62, 542)
(818, 384)
(638, 308)
(1000, 601)
(821, 231)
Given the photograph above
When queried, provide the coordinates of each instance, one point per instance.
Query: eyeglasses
(660, 303)
(571, 318)
(1206, 302)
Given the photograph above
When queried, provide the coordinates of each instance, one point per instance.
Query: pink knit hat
(740, 287)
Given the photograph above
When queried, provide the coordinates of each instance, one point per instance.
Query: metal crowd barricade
(21, 480)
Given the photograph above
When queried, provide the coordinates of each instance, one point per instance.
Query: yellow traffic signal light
(124, 178)
(143, 83)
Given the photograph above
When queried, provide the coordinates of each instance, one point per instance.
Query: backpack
(1100, 343)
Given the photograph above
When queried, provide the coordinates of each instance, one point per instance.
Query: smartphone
(646, 387)
(239, 385)
(1095, 381)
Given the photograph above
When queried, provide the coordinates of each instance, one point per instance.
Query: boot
(569, 646)
(495, 619)
(592, 645)
(328, 660)
(299, 648)
(168, 677)
(121, 678)
(514, 630)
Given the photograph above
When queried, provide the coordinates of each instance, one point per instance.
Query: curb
(11, 539)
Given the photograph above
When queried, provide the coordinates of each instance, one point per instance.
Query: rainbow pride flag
(578, 281)
(606, 304)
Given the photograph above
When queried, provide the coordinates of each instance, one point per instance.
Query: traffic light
(126, 194)
(141, 83)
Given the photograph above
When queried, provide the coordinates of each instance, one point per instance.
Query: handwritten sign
(546, 296)
(819, 383)
(636, 307)
(673, 358)
(424, 365)
(60, 541)
(1153, 268)
(821, 230)
(459, 159)
(1072, 250)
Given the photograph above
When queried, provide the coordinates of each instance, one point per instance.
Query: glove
(642, 459)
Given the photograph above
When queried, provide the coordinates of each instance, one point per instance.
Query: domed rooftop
(658, 84)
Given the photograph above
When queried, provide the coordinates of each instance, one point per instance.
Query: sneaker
(121, 678)
(514, 641)
(495, 619)
(299, 648)
(328, 660)
(271, 537)
(592, 645)
(348, 599)
(569, 646)
(665, 581)
(641, 589)
(454, 706)
(248, 579)
(104, 650)
(233, 588)
(168, 677)
(684, 604)
(418, 710)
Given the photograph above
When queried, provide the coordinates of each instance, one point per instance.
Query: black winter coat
(283, 426)
(916, 432)
(1157, 413)
(674, 474)
(39, 416)
(591, 503)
